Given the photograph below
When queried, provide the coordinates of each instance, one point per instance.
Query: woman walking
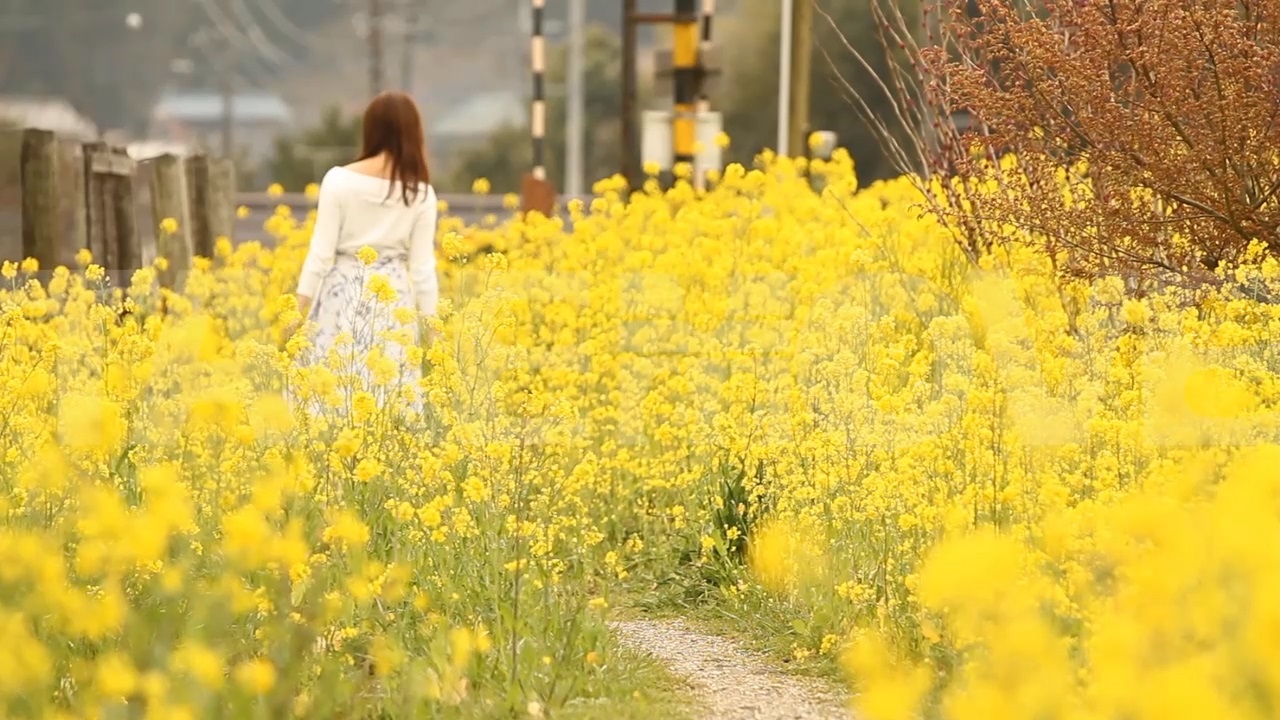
(370, 269)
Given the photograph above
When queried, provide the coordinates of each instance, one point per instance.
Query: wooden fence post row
(94, 196)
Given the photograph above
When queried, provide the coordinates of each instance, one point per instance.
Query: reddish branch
(1164, 114)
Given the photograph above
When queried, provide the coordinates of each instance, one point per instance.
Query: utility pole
(410, 38)
(222, 61)
(784, 77)
(537, 194)
(685, 80)
(630, 140)
(575, 121)
(801, 75)
(704, 69)
(375, 47)
(227, 88)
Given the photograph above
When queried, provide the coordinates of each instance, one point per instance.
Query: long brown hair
(393, 125)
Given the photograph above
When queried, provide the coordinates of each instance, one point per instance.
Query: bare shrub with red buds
(1130, 137)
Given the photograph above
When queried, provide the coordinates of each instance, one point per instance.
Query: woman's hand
(304, 306)
(429, 334)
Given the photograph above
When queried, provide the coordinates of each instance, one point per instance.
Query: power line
(223, 24)
(259, 39)
(287, 26)
(243, 52)
(204, 40)
(234, 37)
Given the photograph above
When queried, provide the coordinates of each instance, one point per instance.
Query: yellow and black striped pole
(686, 79)
(536, 193)
(538, 111)
(704, 100)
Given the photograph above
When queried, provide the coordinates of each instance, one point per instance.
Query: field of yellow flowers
(990, 492)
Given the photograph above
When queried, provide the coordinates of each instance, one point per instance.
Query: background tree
(303, 158)
(507, 155)
(1172, 107)
(841, 79)
(85, 52)
(1135, 138)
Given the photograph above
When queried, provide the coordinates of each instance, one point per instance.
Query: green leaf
(299, 592)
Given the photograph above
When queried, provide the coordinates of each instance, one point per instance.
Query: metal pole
(575, 121)
(784, 78)
(629, 140)
(375, 47)
(801, 72)
(684, 63)
(538, 109)
(704, 100)
(410, 40)
(227, 90)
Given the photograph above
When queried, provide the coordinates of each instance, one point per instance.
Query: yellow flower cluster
(1020, 496)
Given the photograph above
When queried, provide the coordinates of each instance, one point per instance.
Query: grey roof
(47, 113)
(207, 107)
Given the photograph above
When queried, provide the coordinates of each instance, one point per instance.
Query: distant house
(475, 119)
(196, 118)
(47, 113)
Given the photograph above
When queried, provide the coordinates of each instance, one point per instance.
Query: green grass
(640, 688)
(766, 632)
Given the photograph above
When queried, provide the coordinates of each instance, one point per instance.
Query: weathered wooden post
(147, 231)
(222, 197)
(124, 208)
(169, 203)
(211, 192)
(95, 201)
(72, 221)
(40, 223)
(10, 193)
(201, 235)
(110, 209)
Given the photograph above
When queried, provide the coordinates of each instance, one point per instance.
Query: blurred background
(155, 74)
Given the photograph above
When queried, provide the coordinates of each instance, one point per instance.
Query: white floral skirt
(363, 323)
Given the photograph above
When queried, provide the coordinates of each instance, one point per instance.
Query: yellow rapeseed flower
(256, 676)
(989, 489)
(367, 255)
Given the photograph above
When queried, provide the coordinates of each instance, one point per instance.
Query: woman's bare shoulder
(373, 167)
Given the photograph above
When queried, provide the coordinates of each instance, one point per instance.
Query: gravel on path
(731, 683)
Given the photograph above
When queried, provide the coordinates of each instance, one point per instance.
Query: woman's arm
(422, 256)
(324, 243)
